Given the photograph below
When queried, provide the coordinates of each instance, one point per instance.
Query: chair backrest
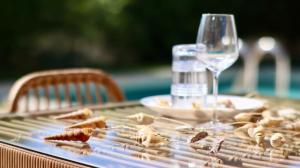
(247, 80)
(67, 87)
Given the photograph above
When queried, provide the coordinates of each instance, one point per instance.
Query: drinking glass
(217, 33)
(189, 85)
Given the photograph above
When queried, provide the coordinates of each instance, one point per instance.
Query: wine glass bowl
(218, 33)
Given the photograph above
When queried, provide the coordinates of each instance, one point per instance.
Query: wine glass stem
(215, 94)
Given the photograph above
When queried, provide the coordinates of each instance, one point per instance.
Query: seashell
(267, 114)
(97, 122)
(198, 136)
(295, 126)
(247, 117)
(245, 127)
(289, 113)
(82, 135)
(185, 128)
(148, 136)
(277, 140)
(242, 131)
(79, 114)
(271, 122)
(257, 134)
(142, 118)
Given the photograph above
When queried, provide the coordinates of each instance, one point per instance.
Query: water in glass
(189, 86)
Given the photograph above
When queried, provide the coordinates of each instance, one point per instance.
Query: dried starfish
(72, 135)
(148, 136)
(217, 144)
(79, 114)
(97, 122)
(277, 140)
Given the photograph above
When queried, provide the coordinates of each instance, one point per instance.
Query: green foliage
(47, 34)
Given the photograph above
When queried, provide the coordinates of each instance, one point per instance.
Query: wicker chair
(69, 87)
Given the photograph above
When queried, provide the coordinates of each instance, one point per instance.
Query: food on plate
(142, 118)
(79, 114)
(97, 122)
(247, 117)
(196, 106)
(163, 102)
(198, 136)
(82, 135)
(148, 136)
(277, 140)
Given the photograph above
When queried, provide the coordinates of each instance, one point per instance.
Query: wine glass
(217, 33)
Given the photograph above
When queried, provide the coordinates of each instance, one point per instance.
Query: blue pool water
(142, 84)
(140, 92)
(148, 86)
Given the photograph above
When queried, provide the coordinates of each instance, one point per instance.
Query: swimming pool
(158, 82)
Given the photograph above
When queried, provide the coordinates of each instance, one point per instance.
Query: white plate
(241, 104)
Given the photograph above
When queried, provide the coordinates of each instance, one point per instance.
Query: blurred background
(131, 38)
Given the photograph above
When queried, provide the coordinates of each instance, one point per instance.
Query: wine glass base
(216, 126)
